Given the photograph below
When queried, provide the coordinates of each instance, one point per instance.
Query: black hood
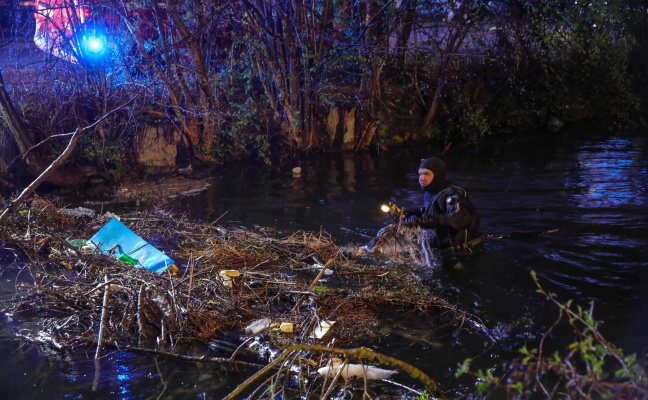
(438, 168)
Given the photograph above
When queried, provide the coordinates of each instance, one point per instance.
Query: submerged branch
(361, 353)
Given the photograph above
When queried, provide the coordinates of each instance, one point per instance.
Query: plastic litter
(227, 275)
(257, 327)
(122, 243)
(231, 273)
(321, 329)
(77, 242)
(286, 327)
(318, 266)
(356, 371)
(77, 212)
(227, 282)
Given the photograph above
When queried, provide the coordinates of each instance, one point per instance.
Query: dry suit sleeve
(457, 220)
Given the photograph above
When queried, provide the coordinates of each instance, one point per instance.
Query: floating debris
(257, 327)
(322, 329)
(348, 371)
(122, 243)
(226, 277)
(78, 212)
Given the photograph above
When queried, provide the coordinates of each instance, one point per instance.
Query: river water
(591, 192)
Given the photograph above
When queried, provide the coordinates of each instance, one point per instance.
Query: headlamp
(390, 208)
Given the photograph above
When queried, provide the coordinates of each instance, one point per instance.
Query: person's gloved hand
(405, 213)
(427, 222)
(412, 220)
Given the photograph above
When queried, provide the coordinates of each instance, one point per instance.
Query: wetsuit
(448, 217)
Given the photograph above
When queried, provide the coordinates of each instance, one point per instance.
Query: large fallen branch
(60, 160)
(361, 353)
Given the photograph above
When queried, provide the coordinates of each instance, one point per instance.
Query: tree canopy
(257, 78)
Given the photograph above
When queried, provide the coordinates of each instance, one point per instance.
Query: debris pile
(294, 289)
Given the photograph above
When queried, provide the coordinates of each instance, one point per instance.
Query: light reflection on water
(593, 191)
(610, 174)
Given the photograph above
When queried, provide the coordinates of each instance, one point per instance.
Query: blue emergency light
(94, 46)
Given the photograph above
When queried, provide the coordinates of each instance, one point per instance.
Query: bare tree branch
(60, 160)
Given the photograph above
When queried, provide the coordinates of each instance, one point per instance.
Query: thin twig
(104, 315)
(312, 285)
(191, 269)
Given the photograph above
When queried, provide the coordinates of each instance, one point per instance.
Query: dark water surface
(594, 191)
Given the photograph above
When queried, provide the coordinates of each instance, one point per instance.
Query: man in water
(448, 217)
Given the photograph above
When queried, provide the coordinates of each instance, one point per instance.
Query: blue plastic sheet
(122, 243)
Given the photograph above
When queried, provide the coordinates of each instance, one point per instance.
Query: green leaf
(482, 386)
(518, 387)
(463, 367)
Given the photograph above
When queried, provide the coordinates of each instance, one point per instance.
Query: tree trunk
(467, 17)
(21, 138)
(348, 139)
(10, 173)
(407, 20)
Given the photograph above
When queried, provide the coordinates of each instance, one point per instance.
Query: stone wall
(157, 146)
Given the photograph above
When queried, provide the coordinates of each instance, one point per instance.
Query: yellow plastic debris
(231, 273)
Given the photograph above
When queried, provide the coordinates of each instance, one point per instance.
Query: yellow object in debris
(227, 275)
(286, 327)
(336, 361)
(227, 282)
(230, 273)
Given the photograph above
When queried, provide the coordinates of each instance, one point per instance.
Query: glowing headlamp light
(390, 208)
